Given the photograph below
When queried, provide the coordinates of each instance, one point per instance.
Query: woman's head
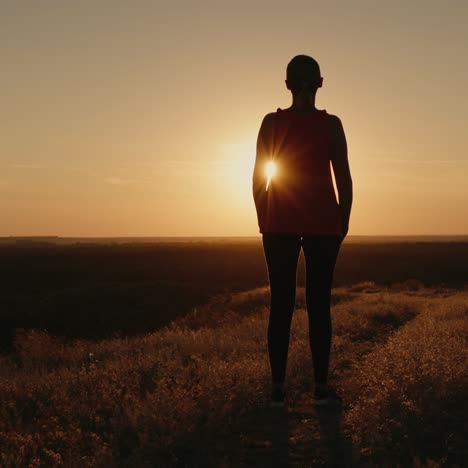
(303, 75)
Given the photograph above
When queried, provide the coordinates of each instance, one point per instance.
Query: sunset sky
(140, 118)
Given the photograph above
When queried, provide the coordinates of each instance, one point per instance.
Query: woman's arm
(339, 159)
(263, 152)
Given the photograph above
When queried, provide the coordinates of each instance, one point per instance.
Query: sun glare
(270, 172)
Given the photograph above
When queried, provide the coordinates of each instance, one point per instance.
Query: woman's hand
(345, 230)
(344, 224)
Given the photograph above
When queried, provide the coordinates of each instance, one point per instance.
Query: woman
(296, 207)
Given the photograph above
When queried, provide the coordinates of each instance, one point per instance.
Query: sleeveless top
(301, 197)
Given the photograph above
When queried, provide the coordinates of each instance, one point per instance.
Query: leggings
(281, 254)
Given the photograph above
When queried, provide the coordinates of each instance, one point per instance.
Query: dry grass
(409, 394)
(133, 401)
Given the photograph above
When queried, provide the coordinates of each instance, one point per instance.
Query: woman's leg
(320, 252)
(281, 254)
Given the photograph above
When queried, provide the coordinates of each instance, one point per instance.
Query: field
(104, 290)
(156, 356)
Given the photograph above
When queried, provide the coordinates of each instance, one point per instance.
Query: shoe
(277, 397)
(326, 396)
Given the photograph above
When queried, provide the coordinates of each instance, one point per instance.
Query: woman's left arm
(263, 152)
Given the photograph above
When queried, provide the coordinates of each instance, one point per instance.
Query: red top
(300, 197)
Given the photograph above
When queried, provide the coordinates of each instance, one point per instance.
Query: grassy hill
(195, 392)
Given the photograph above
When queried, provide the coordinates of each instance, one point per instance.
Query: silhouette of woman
(296, 207)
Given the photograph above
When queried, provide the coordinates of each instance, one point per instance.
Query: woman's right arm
(340, 163)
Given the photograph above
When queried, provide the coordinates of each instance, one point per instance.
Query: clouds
(422, 161)
(119, 181)
(412, 161)
(84, 171)
(27, 165)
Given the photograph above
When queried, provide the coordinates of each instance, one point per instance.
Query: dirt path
(294, 436)
(298, 435)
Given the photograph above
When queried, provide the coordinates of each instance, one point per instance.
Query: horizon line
(209, 236)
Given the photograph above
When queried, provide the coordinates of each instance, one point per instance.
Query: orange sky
(140, 119)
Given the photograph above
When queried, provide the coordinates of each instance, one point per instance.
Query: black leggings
(281, 254)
